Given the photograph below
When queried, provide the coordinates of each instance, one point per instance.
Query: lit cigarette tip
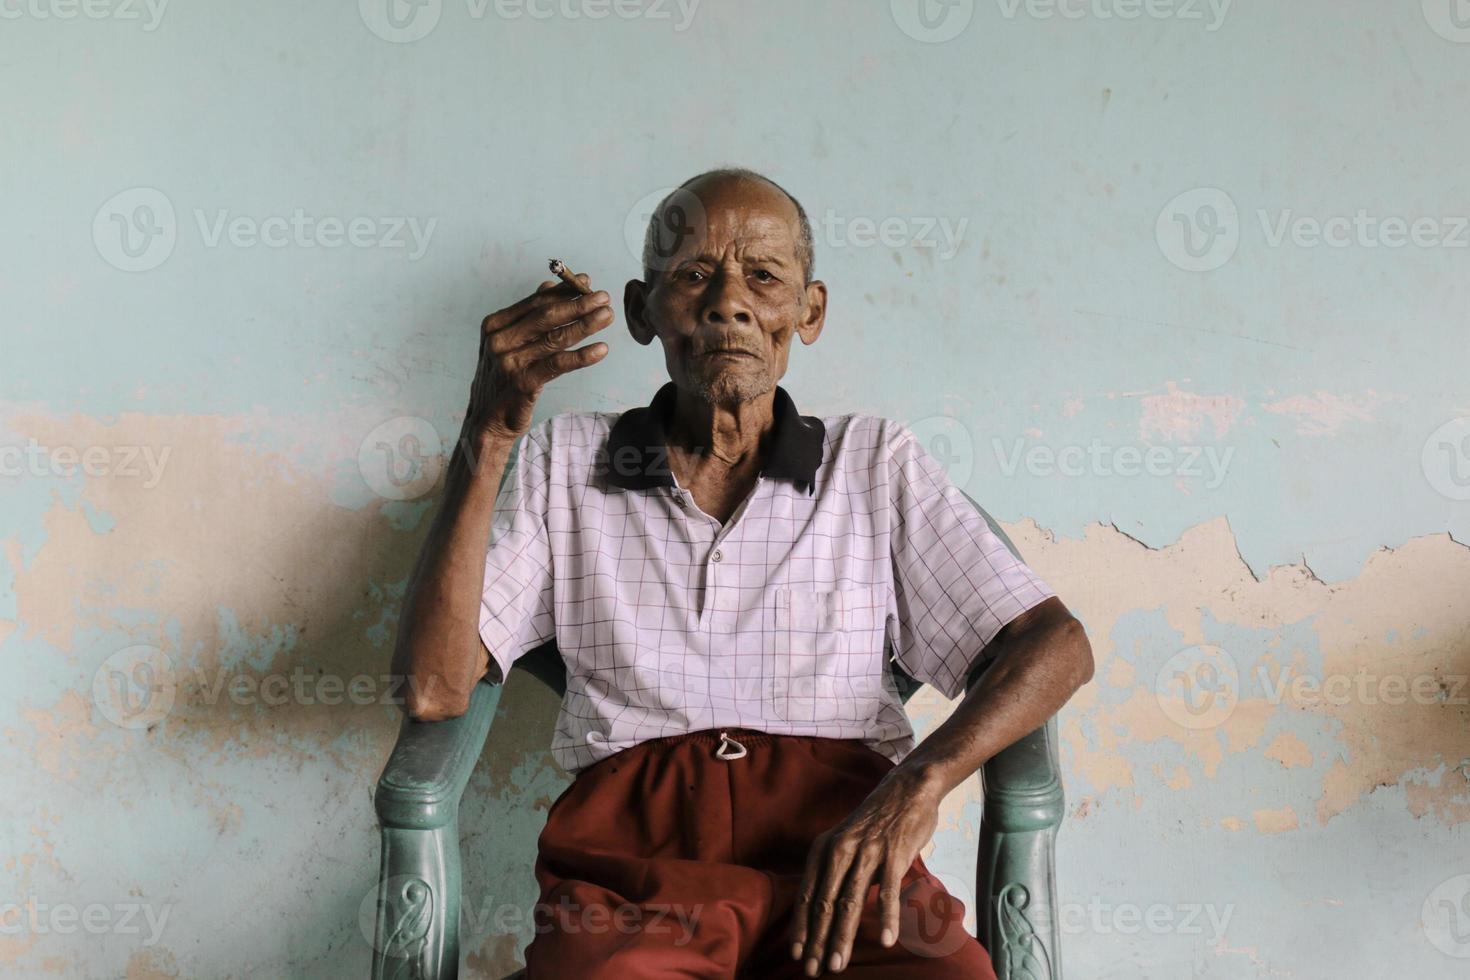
(560, 270)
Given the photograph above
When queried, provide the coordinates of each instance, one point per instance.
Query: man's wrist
(927, 776)
(482, 449)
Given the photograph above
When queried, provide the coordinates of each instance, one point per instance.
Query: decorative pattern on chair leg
(405, 913)
(415, 934)
(1021, 929)
(1020, 949)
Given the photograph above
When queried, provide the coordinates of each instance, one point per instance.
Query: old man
(730, 584)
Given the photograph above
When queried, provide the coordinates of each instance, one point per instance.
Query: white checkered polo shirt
(852, 541)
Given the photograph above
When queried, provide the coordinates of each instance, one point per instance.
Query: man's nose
(726, 300)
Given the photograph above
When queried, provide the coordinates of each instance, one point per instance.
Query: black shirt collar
(636, 456)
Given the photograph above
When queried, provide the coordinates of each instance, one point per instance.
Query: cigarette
(560, 270)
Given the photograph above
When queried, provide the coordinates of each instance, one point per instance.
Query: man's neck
(728, 434)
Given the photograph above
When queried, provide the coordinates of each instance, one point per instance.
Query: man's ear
(635, 308)
(815, 316)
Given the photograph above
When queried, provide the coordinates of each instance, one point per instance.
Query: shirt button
(717, 556)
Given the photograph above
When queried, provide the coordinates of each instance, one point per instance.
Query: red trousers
(665, 861)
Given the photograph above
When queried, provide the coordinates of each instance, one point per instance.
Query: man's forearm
(438, 646)
(1041, 659)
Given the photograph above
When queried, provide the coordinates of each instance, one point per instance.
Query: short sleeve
(516, 602)
(955, 581)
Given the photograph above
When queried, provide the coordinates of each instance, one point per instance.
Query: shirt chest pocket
(815, 612)
(826, 662)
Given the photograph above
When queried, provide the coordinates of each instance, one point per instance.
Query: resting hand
(876, 844)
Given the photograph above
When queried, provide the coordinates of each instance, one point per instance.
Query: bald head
(682, 214)
(728, 285)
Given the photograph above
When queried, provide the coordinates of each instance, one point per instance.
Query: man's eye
(764, 275)
(691, 275)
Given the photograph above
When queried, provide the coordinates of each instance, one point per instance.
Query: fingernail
(812, 967)
(836, 961)
(601, 296)
(887, 937)
(796, 951)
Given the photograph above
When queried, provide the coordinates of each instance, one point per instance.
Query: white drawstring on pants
(729, 748)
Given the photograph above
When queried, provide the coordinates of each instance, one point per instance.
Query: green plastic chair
(418, 907)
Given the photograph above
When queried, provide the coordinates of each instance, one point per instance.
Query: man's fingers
(526, 360)
(551, 290)
(824, 903)
(850, 903)
(564, 308)
(559, 307)
(549, 369)
(501, 319)
(564, 336)
(816, 857)
(551, 314)
(890, 891)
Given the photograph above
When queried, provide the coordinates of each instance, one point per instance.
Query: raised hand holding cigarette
(528, 344)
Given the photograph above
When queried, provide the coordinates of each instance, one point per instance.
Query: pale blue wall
(1061, 316)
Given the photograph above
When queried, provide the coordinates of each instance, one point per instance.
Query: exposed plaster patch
(1181, 415)
(1323, 413)
(1289, 750)
(1275, 821)
(153, 963)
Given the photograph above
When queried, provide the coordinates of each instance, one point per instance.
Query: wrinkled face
(729, 296)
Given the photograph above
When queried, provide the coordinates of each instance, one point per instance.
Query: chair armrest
(1023, 783)
(431, 764)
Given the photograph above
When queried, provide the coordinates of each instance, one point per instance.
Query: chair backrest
(545, 662)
